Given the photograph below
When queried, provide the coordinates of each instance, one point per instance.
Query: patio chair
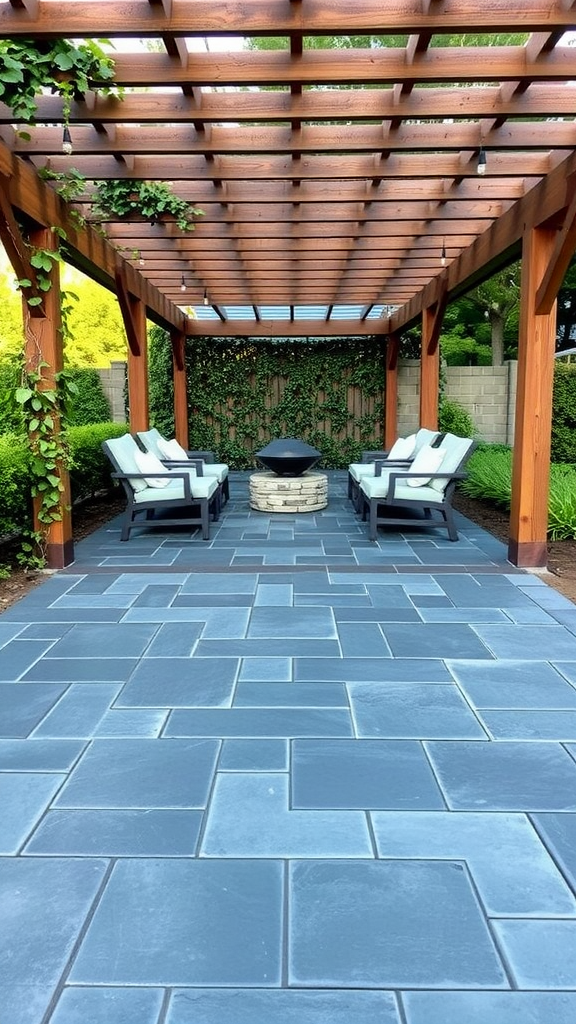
(409, 496)
(173, 455)
(154, 490)
(402, 453)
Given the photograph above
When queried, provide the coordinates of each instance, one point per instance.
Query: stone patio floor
(288, 777)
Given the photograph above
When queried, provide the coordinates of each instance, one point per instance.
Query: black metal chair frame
(383, 511)
(206, 506)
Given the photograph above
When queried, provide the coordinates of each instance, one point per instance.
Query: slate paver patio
(288, 776)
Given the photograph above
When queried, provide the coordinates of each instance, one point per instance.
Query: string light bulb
(205, 299)
(182, 284)
(481, 165)
(67, 146)
(443, 253)
(141, 261)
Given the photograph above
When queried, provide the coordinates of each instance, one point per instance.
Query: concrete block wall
(113, 382)
(488, 393)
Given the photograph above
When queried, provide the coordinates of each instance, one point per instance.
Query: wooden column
(430, 368)
(178, 339)
(44, 355)
(138, 369)
(533, 423)
(391, 402)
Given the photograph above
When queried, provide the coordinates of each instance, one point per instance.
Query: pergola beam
(276, 17)
(550, 99)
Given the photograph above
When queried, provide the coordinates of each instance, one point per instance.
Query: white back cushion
(403, 448)
(148, 463)
(427, 460)
(456, 448)
(172, 450)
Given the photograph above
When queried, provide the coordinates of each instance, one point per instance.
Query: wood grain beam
(270, 328)
(276, 17)
(17, 249)
(234, 169)
(102, 138)
(346, 67)
(560, 257)
(550, 99)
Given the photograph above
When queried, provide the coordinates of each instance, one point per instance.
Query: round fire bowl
(288, 456)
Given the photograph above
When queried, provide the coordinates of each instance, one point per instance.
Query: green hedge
(490, 478)
(90, 471)
(564, 413)
(90, 468)
(89, 404)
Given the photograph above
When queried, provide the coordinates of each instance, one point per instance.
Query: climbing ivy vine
(244, 392)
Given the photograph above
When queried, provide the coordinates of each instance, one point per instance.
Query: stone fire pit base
(272, 493)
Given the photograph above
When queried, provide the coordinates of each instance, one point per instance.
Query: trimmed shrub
(10, 413)
(15, 508)
(89, 473)
(454, 418)
(90, 404)
(564, 414)
(90, 468)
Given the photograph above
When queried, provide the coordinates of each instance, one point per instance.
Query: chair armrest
(197, 464)
(429, 476)
(185, 477)
(380, 464)
(205, 456)
(370, 456)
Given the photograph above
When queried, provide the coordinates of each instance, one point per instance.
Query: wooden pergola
(340, 185)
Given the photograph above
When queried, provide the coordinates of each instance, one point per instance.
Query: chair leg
(373, 526)
(450, 524)
(205, 517)
(226, 489)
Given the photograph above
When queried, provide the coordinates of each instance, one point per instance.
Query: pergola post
(430, 366)
(44, 355)
(134, 316)
(533, 423)
(178, 339)
(391, 397)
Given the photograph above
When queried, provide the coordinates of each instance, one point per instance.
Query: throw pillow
(172, 450)
(403, 448)
(428, 460)
(148, 463)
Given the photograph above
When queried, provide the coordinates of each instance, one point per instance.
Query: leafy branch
(30, 66)
(121, 197)
(44, 411)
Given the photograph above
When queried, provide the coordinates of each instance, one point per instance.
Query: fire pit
(288, 486)
(288, 456)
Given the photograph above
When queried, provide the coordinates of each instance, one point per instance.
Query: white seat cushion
(358, 470)
(217, 469)
(377, 487)
(200, 487)
(148, 463)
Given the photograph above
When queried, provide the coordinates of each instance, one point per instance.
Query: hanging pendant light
(67, 146)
